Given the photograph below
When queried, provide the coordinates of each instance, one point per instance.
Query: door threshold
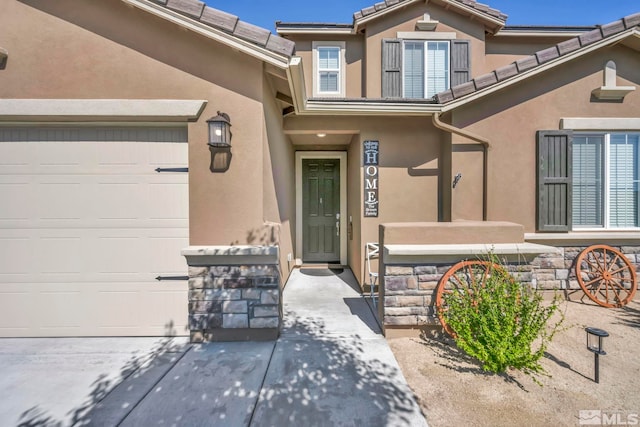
(322, 265)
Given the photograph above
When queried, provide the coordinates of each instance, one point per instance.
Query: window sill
(586, 237)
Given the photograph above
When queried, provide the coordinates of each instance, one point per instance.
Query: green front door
(321, 210)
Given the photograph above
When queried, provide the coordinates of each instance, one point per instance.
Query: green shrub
(502, 323)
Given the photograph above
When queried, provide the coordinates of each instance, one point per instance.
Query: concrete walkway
(330, 367)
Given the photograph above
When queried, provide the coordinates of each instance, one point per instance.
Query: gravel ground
(454, 391)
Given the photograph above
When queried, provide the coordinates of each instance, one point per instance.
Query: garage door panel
(15, 255)
(69, 264)
(87, 226)
(17, 197)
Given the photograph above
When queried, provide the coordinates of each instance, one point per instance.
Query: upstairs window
(425, 68)
(328, 64)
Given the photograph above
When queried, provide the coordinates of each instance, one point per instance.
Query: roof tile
(564, 48)
(281, 45)
(368, 10)
(463, 89)
(192, 8)
(590, 37)
(568, 46)
(480, 7)
(231, 24)
(612, 28)
(547, 55)
(507, 71)
(632, 20)
(252, 33)
(219, 19)
(485, 80)
(444, 97)
(527, 63)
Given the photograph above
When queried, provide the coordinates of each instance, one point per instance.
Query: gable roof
(476, 9)
(540, 59)
(229, 24)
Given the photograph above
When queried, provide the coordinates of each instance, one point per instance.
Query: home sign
(371, 178)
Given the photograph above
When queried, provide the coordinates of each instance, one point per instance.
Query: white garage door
(86, 226)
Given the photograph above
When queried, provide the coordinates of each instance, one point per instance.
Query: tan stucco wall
(278, 194)
(510, 119)
(103, 49)
(354, 206)
(503, 50)
(354, 58)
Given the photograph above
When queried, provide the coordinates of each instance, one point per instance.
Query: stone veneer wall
(409, 290)
(234, 293)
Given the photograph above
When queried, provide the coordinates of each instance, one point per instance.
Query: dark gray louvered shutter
(554, 180)
(391, 68)
(460, 62)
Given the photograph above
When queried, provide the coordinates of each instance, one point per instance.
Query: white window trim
(426, 69)
(342, 74)
(606, 217)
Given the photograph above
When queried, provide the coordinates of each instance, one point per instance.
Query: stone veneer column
(234, 293)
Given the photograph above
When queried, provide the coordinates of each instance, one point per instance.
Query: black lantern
(220, 130)
(595, 338)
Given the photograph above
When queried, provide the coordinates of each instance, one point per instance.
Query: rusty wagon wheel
(606, 276)
(464, 276)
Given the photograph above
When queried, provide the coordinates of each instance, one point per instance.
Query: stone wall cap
(269, 251)
(470, 249)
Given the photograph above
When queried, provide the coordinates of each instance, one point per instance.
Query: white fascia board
(600, 123)
(369, 108)
(295, 75)
(537, 70)
(210, 32)
(138, 110)
(558, 33)
(321, 31)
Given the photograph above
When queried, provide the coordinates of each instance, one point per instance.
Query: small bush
(499, 323)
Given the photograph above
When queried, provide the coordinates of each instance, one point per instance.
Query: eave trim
(209, 32)
(134, 110)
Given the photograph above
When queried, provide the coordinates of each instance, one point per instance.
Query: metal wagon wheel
(606, 276)
(464, 277)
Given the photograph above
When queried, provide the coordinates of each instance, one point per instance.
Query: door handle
(337, 228)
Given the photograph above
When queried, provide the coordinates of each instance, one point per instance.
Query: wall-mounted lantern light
(3, 58)
(595, 338)
(220, 130)
(220, 142)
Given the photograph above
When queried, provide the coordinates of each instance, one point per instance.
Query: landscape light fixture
(595, 338)
(219, 130)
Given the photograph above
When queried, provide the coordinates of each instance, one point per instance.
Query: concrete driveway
(330, 367)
